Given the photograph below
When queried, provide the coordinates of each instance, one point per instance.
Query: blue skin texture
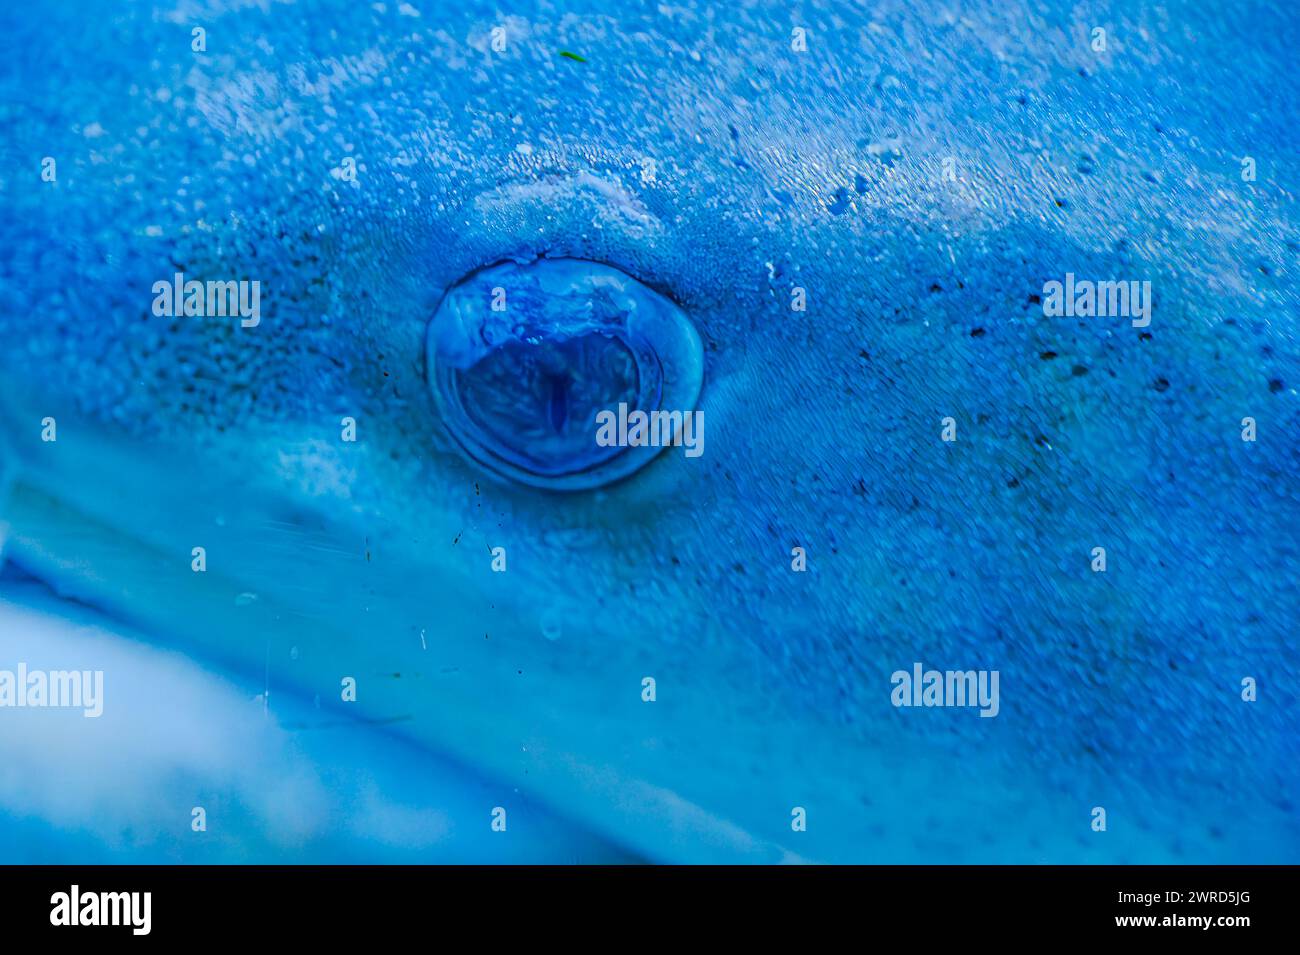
(771, 170)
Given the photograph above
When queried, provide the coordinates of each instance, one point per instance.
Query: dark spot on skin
(457, 539)
(1078, 371)
(1035, 299)
(1144, 336)
(1041, 441)
(936, 287)
(1047, 355)
(1275, 385)
(977, 333)
(887, 157)
(1265, 269)
(1060, 203)
(676, 562)
(1161, 384)
(738, 568)
(1014, 482)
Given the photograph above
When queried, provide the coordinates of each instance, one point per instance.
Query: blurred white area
(279, 779)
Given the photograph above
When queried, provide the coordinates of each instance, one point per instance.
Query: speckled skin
(772, 169)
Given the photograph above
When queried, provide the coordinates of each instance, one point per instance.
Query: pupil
(559, 411)
(537, 400)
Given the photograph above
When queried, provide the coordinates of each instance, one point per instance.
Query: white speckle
(407, 10)
(153, 231)
(93, 131)
(524, 149)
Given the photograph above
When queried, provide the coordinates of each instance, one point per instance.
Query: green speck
(573, 56)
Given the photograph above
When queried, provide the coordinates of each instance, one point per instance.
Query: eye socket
(522, 358)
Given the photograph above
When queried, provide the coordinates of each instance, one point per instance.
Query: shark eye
(522, 359)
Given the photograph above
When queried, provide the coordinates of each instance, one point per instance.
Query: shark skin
(914, 178)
